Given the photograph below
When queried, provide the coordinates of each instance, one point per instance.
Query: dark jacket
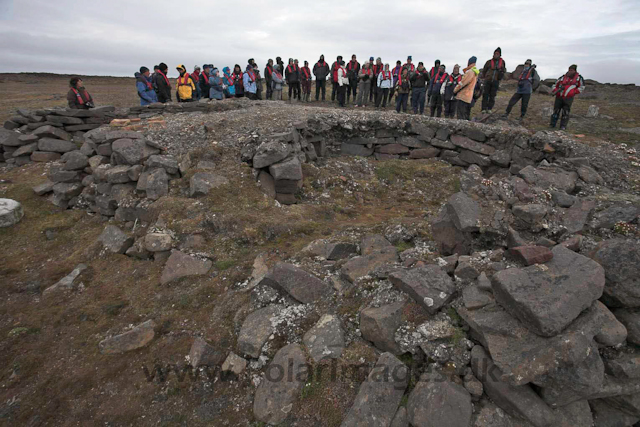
(321, 70)
(353, 70)
(493, 70)
(74, 97)
(419, 78)
(528, 81)
(450, 84)
(163, 88)
(205, 84)
(292, 73)
(436, 83)
(268, 71)
(239, 83)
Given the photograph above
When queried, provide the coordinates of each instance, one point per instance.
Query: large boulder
(132, 151)
(10, 138)
(435, 402)
(181, 265)
(621, 262)
(548, 298)
(157, 184)
(289, 169)
(56, 145)
(325, 340)
(379, 325)
(429, 286)
(301, 285)
(380, 394)
(281, 386)
(11, 212)
(464, 212)
(614, 214)
(256, 329)
(550, 178)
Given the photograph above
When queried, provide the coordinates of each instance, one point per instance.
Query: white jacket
(385, 84)
(342, 77)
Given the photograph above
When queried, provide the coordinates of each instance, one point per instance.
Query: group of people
(372, 83)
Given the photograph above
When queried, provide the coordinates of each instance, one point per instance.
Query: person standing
(216, 86)
(229, 83)
(353, 69)
(565, 89)
(321, 71)
(144, 87)
(403, 86)
(277, 82)
(162, 83)
(258, 78)
(238, 79)
(365, 76)
(464, 90)
(409, 65)
(385, 82)
(305, 80)
(492, 74)
(419, 79)
(435, 93)
(334, 77)
(450, 101)
(432, 73)
(343, 82)
(250, 81)
(195, 76)
(377, 69)
(268, 72)
(78, 97)
(292, 75)
(527, 82)
(395, 73)
(153, 78)
(186, 87)
(205, 85)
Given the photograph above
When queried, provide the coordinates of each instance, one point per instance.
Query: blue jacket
(249, 85)
(216, 91)
(527, 81)
(145, 90)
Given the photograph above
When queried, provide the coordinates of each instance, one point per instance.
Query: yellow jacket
(186, 87)
(464, 89)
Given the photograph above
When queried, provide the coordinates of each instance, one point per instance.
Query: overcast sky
(117, 37)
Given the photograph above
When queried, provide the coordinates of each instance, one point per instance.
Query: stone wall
(277, 158)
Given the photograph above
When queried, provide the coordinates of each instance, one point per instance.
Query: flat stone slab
(429, 286)
(255, 330)
(326, 339)
(11, 212)
(379, 325)
(547, 298)
(361, 266)
(134, 339)
(301, 285)
(181, 265)
(380, 394)
(282, 385)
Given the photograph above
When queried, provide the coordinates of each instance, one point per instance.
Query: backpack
(477, 91)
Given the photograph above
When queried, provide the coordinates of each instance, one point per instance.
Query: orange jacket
(464, 89)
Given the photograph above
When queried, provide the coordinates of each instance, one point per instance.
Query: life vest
(570, 81)
(184, 80)
(432, 72)
(205, 78)
(306, 72)
(377, 69)
(455, 80)
(78, 96)
(230, 79)
(195, 77)
(352, 67)
(269, 70)
(524, 76)
(400, 80)
(411, 67)
(292, 67)
(252, 76)
(146, 83)
(322, 64)
(335, 67)
(367, 72)
(165, 78)
(396, 71)
(386, 75)
(442, 78)
(500, 64)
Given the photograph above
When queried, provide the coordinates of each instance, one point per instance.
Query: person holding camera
(528, 81)
(365, 77)
(565, 89)
(78, 97)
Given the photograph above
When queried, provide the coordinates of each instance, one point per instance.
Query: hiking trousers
(450, 108)
(489, 94)
(363, 92)
(514, 100)
(464, 110)
(561, 106)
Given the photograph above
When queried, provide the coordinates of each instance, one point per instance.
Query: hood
(137, 75)
(215, 72)
(226, 71)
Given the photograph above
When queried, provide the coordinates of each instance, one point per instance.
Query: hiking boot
(483, 112)
(563, 128)
(489, 112)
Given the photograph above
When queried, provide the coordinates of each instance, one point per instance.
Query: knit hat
(143, 70)
(371, 59)
(472, 60)
(205, 66)
(573, 67)
(437, 61)
(409, 58)
(197, 67)
(443, 66)
(498, 50)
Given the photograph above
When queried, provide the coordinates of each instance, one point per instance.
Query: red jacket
(568, 87)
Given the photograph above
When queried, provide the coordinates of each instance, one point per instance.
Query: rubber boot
(564, 121)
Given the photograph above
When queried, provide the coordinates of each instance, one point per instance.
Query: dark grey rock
(337, 251)
(75, 160)
(576, 217)
(157, 184)
(51, 132)
(379, 396)
(361, 266)
(202, 182)
(302, 286)
(118, 174)
(55, 145)
(605, 415)
(411, 142)
(621, 262)
(44, 188)
(464, 212)
(617, 213)
(290, 169)
(550, 177)
(277, 393)
(356, 150)
(474, 158)
(469, 144)
(429, 286)
(25, 150)
(115, 240)
(132, 151)
(379, 325)
(204, 354)
(181, 265)
(269, 153)
(325, 340)
(374, 243)
(547, 299)
(134, 339)
(562, 199)
(501, 158)
(435, 402)
(630, 318)
(168, 163)
(67, 191)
